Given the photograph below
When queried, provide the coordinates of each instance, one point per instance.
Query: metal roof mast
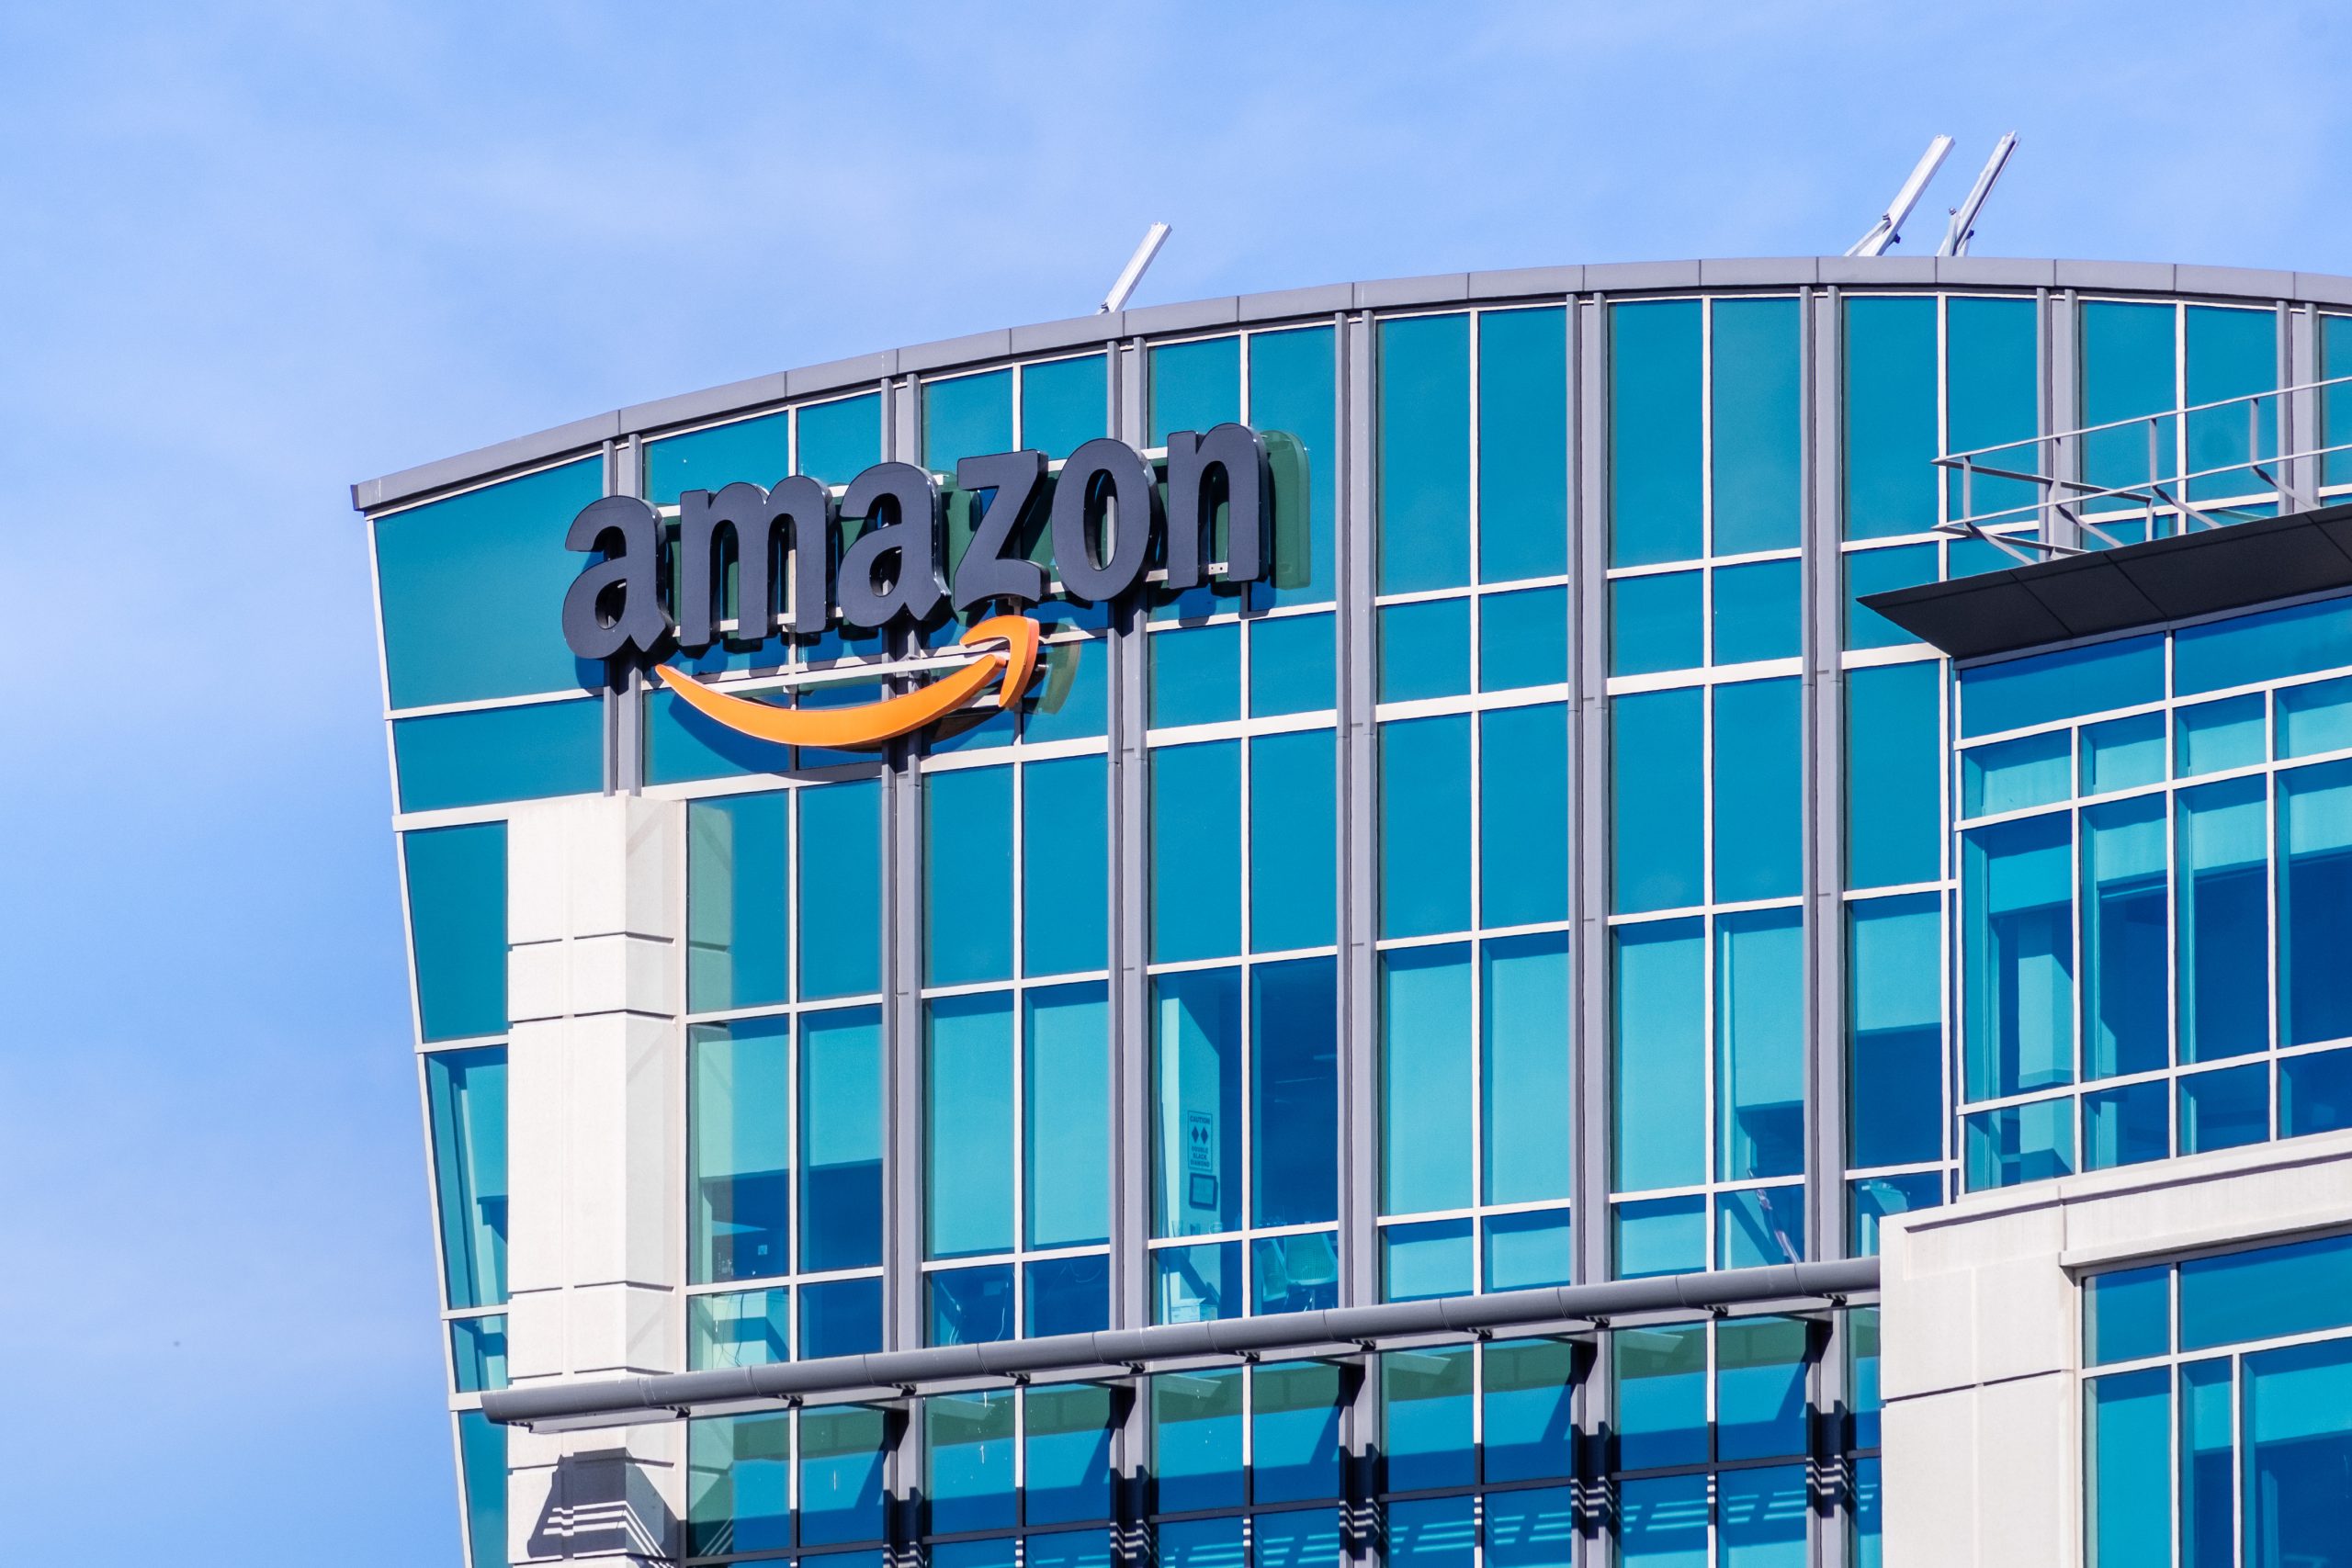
(1887, 230)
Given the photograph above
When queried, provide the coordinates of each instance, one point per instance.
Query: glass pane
(1530, 1427)
(478, 1351)
(1894, 1015)
(1293, 840)
(1195, 845)
(1426, 1079)
(1527, 1251)
(2129, 363)
(1064, 403)
(753, 449)
(1760, 1044)
(2316, 902)
(2298, 1435)
(1654, 622)
(2020, 953)
(1895, 764)
(1067, 1295)
(1660, 1055)
(1523, 815)
(968, 856)
(2124, 940)
(457, 906)
(738, 1329)
(1294, 1102)
(1761, 1517)
(1661, 1395)
(1425, 825)
(466, 1097)
(1994, 395)
(2123, 753)
(1523, 639)
(1533, 1528)
(1424, 453)
(1066, 1066)
(1294, 1432)
(840, 1317)
(2231, 353)
(2315, 718)
(970, 1306)
(2128, 1418)
(1291, 664)
(1663, 1523)
(967, 1459)
(2019, 694)
(1522, 444)
(1298, 1272)
(1065, 889)
(1890, 401)
(968, 1125)
(2225, 1109)
(2127, 1314)
(1067, 1445)
(1432, 1533)
(738, 955)
(2126, 1125)
(1194, 386)
(1292, 391)
(1882, 571)
(2266, 1293)
(1418, 1262)
(841, 1475)
(1759, 1225)
(1525, 1069)
(1196, 1074)
(1759, 790)
(1755, 614)
(2210, 738)
(499, 754)
(1657, 793)
(2224, 921)
(841, 1139)
(2315, 1093)
(739, 1485)
(1663, 1235)
(1655, 437)
(840, 873)
(1755, 425)
(1424, 649)
(2207, 1489)
(2020, 1143)
(1195, 675)
(740, 1152)
(1197, 1284)
(2016, 774)
(1876, 1198)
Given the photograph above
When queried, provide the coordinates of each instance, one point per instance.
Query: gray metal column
(902, 1325)
(2062, 361)
(1131, 1108)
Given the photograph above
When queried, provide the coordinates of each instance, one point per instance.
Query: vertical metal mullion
(902, 984)
(1132, 1111)
(2300, 423)
(2062, 346)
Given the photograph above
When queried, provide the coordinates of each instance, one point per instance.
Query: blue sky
(251, 252)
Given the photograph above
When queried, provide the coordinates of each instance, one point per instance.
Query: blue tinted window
(1759, 1226)
(1294, 1432)
(1292, 391)
(970, 1306)
(2128, 366)
(2272, 646)
(840, 1317)
(1661, 1236)
(1525, 1251)
(2315, 1093)
(1523, 639)
(481, 1456)
(1994, 392)
(1195, 675)
(477, 1352)
(2123, 753)
(2315, 718)
(738, 947)
(1523, 815)
(1297, 1273)
(1066, 1060)
(2018, 900)
(2020, 1143)
(757, 450)
(1196, 1071)
(1424, 649)
(740, 1149)
(1662, 1522)
(968, 1125)
(2127, 1125)
(1760, 1388)
(2209, 737)
(1894, 762)
(1065, 892)
(2223, 920)
(466, 1097)
(2231, 353)
(1522, 444)
(457, 577)
(840, 873)
(2225, 1110)
(1759, 790)
(2127, 1314)
(1195, 863)
(1292, 662)
(841, 1139)
(1197, 1284)
(1524, 1015)
(1529, 1430)
(967, 857)
(1657, 791)
(1894, 1019)
(2266, 1293)
(2128, 1418)
(738, 1329)
(2336, 406)
(1428, 1412)
(1661, 1054)
(500, 754)
(967, 1459)
(838, 439)
(1425, 825)
(1067, 1444)
(1067, 1295)
(1063, 403)
(1760, 1044)
(1755, 425)
(1882, 571)
(1755, 612)
(1876, 1198)
(1532, 1528)
(1424, 453)
(457, 907)
(1655, 474)
(1293, 840)
(2298, 1444)
(1661, 1395)
(2316, 902)
(1418, 1262)
(841, 1475)
(1890, 401)
(1294, 1099)
(2125, 1023)
(1654, 622)
(2035, 770)
(1425, 1080)
(1194, 386)
(2019, 692)
(739, 1487)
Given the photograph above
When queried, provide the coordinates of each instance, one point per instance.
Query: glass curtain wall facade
(1548, 875)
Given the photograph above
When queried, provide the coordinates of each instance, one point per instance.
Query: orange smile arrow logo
(874, 723)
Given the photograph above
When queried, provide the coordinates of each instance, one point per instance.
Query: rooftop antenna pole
(1889, 227)
(1132, 273)
(1963, 217)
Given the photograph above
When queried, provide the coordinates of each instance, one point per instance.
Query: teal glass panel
(1293, 390)
(1294, 1432)
(2315, 718)
(1755, 614)
(1760, 1044)
(1875, 1198)
(2127, 1423)
(499, 754)
(759, 450)
(481, 1457)
(841, 438)
(1294, 1109)
(1195, 859)
(1760, 1366)
(1530, 1429)
(1522, 639)
(1657, 623)
(2019, 694)
(1065, 882)
(1194, 386)
(2127, 1314)
(2124, 942)
(1425, 825)
(2225, 1110)
(964, 416)
(2209, 737)
(1759, 790)
(1424, 649)
(1890, 401)
(1424, 453)
(681, 746)
(1894, 1023)
(1522, 444)
(1428, 1417)
(1656, 440)
(738, 1150)
(968, 1161)
(1658, 792)
(1755, 425)
(1759, 1225)
(1072, 702)
(456, 911)
(2127, 1125)
(1433, 1532)
(2231, 353)
(1536, 1528)
(1661, 1236)
(1298, 1538)
(1064, 403)
(1426, 1081)
(2266, 1293)
(1660, 1079)
(1299, 1271)
(968, 1441)
(1197, 1284)
(2316, 902)
(1293, 840)
(2336, 402)
(2276, 645)
(2020, 1143)
(2035, 770)
(1419, 1262)
(1661, 1395)
(1662, 1522)
(1882, 571)
(1200, 1543)
(738, 1483)
(1198, 1439)
(451, 575)
(2315, 1093)
(842, 1448)
(478, 1353)
(737, 1328)
(1067, 1295)
(840, 873)
(2123, 753)
(841, 1139)
(738, 903)
(2297, 1435)
(1196, 1081)
(1761, 1518)
(967, 861)
(466, 1102)
(1523, 815)
(1066, 1441)
(1195, 675)
(1292, 662)
(2129, 360)
(1862, 1379)
(2222, 920)
(2019, 955)
(1992, 391)
(1529, 1250)
(1894, 762)
(2208, 1467)
(1524, 1068)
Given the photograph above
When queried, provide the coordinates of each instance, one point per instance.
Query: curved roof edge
(2010, 272)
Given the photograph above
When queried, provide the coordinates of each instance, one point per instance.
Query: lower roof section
(2107, 591)
(620, 1402)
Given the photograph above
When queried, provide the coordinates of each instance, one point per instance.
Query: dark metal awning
(618, 1402)
(2104, 592)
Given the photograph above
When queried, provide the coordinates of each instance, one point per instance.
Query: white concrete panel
(1928, 1481)
(2028, 1437)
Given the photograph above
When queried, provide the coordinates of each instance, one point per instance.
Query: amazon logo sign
(1116, 517)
